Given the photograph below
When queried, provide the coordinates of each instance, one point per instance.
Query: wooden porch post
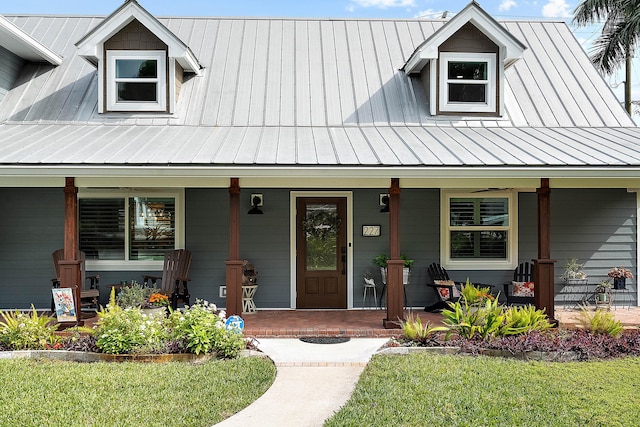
(70, 272)
(543, 273)
(234, 264)
(395, 288)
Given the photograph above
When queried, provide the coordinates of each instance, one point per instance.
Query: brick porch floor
(322, 323)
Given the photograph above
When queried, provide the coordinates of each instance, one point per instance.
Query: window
(131, 229)
(136, 80)
(468, 82)
(479, 230)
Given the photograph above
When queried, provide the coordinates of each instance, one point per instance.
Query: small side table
(248, 306)
(626, 296)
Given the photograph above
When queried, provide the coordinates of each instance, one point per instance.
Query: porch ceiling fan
(488, 190)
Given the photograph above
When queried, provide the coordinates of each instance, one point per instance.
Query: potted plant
(381, 261)
(573, 273)
(620, 276)
(136, 295)
(603, 293)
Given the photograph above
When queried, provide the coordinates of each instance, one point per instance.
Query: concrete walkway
(313, 381)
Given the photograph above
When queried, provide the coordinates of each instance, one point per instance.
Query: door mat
(325, 340)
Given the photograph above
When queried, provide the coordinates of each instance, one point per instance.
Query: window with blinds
(127, 228)
(479, 228)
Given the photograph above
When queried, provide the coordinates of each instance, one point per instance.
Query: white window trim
(111, 88)
(480, 264)
(136, 265)
(468, 107)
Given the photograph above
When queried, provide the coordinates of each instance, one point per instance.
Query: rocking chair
(90, 297)
(446, 290)
(521, 289)
(174, 277)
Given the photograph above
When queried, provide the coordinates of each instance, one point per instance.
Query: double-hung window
(479, 230)
(136, 80)
(128, 231)
(468, 82)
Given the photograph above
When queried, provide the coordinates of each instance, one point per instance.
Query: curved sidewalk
(313, 381)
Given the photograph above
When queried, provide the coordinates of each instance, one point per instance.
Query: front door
(321, 259)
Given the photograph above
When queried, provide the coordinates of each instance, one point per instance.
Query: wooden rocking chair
(446, 290)
(522, 275)
(175, 275)
(89, 297)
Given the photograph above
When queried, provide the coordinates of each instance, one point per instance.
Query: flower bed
(198, 329)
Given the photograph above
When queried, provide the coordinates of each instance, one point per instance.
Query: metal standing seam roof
(278, 92)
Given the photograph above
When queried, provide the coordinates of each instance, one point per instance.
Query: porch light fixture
(256, 203)
(384, 202)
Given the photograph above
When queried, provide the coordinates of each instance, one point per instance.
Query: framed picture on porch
(64, 304)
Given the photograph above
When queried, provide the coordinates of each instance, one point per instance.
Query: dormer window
(136, 80)
(468, 82)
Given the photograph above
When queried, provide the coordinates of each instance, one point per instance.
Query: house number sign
(371, 230)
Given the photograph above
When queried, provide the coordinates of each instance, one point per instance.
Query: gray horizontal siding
(10, 66)
(598, 226)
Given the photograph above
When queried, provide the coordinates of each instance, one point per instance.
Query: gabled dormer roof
(475, 15)
(22, 44)
(90, 46)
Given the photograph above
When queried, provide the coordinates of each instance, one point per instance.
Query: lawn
(433, 390)
(129, 394)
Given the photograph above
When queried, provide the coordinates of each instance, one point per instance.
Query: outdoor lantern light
(384, 202)
(256, 203)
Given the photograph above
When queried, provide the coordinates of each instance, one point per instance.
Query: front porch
(368, 323)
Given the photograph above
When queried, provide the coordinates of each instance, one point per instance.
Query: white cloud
(556, 9)
(383, 4)
(506, 5)
(429, 14)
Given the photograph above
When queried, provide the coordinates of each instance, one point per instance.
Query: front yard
(38, 393)
(434, 390)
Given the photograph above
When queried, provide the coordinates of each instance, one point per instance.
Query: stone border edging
(547, 356)
(89, 357)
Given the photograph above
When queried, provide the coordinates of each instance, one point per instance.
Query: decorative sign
(235, 323)
(371, 230)
(65, 307)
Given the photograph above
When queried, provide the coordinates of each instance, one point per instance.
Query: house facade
(484, 143)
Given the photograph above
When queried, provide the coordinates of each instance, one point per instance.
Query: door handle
(343, 251)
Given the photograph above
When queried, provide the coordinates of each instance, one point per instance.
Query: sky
(499, 9)
(299, 8)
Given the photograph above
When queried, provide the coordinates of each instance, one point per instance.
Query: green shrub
(202, 330)
(22, 331)
(414, 330)
(600, 322)
(489, 318)
(128, 330)
(475, 295)
(523, 319)
(470, 321)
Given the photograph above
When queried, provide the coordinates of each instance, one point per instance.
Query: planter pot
(619, 283)
(602, 298)
(405, 275)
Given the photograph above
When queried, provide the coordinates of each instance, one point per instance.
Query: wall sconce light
(384, 202)
(256, 203)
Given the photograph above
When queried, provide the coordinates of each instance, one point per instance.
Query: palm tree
(619, 36)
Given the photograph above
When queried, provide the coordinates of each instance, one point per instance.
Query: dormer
(462, 64)
(141, 64)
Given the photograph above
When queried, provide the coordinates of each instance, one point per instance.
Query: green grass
(129, 394)
(433, 390)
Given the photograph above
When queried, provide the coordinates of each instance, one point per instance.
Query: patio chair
(446, 290)
(89, 297)
(175, 276)
(521, 289)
